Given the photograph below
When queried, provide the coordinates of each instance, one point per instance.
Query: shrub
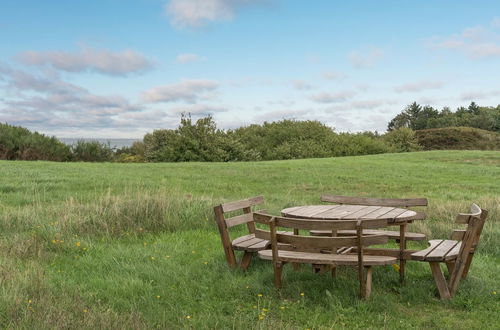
(402, 140)
(91, 151)
(18, 143)
(458, 138)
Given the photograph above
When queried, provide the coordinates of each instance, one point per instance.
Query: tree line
(201, 140)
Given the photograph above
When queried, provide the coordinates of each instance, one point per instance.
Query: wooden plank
(440, 252)
(238, 205)
(378, 213)
(389, 252)
(320, 242)
(239, 219)
(340, 212)
(390, 233)
(307, 211)
(407, 215)
(453, 253)
(311, 224)
(364, 212)
(420, 255)
(391, 215)
(325, 258)
(395, 202)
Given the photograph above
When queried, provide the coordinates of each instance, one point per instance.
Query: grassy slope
(149, 253)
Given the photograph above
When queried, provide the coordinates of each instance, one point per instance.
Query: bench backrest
(245, 206)
(318, 243)
(470, 238)
(394, 202)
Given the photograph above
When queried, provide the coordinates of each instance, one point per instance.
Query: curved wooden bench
(389, 233)
(297, 248)
(457, 253)
(439, 250)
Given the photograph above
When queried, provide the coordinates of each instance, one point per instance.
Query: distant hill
(458, 138)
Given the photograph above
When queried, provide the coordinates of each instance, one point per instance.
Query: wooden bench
(247, 243)
(401, 237)
(457, 253)
(311, 249)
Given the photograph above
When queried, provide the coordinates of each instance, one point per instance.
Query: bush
(18, 143)
(458, 138)
(402, 140)
(91, 151)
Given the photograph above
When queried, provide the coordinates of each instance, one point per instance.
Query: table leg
(402, 248)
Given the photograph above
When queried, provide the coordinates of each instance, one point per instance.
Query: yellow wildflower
(188, 317)
(153, 258)
(158, 297)
(396, 267)
(85, 310)
(302, 294)
(265, 310)
(282, 307)
(261, 317)
(494, 292)
(260, 295)
(78, 244)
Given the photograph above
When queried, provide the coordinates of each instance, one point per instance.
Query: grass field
(110, 245)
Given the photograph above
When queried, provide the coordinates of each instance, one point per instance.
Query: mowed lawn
(109, 245)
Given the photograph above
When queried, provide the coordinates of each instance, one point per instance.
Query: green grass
(149, 253)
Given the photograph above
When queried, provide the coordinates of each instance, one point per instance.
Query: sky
(123, 68)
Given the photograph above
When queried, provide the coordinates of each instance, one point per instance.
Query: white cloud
(198, 109)
(333, 75)
(476, 43)
(44, 101)
(418, 86)
(198, 13)
(89, 60)
(365, 58)
(477, 95)
(187, 58)
(188, 91)
(325, 97)
(301, 85)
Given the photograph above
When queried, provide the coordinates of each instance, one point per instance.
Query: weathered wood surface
(324, 258)
(350, 212)
(389, 233)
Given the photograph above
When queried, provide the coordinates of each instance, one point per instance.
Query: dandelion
(188, 317)
(302, 294)
(261, 317)
(396, 267)
(206, 262)
(282, 307)
(494, 292)
(260, 295)
(158, 297)
(54, 241)
(30, 301)
(78, 244)
(85, 310)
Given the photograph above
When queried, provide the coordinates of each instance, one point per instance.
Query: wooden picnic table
(394, 215)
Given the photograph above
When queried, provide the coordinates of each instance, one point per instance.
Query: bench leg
(245, 260)
(441, 284)
(334, 271)
(278, 268)
(402, 248)
(368, 287)
(451, 266)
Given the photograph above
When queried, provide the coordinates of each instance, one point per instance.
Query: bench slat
(391, 234)
(420, 255)
(441, 251)
(324, 258)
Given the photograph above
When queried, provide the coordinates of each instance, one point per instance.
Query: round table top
(349, 212)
